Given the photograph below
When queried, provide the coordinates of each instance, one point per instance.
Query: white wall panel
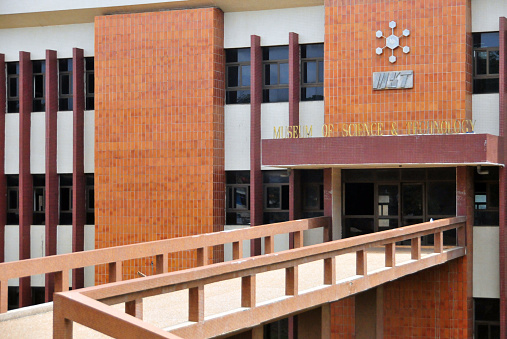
(64, 243)
(65, 139)
(237, 137)
(486, 282)
(485, 111)
(486, 14)
(273, 115)
(274, 26)
(37, 250)
(37, 39)
(12, 248)
(311, 113)
(89, 244)
(89, 142)
(12, 143)
(38, 143)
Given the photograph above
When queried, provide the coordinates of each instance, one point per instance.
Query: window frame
(488, 75)
(42, 97)
(9, 76)
(320, 82)
(89, 77)
(68, 97)
(267, 87)
(240, 87)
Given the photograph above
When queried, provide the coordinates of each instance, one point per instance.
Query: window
(487, 318)
(65, 200)
(13, 87)
(238, 198)
(65, 85)
(313, 193)
(276, 196)
(12, 200)
(487, 198)
(237, 71)
(89, 84)
(312, 72)
(90, 199)
(39, 183)
(486, 62)
(39, 70)
(276, 74)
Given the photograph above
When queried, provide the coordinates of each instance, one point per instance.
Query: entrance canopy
(383, 151)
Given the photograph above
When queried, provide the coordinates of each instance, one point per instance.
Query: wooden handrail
(114, 256)
(195, 279)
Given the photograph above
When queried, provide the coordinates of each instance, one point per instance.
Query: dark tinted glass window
(312, 72)
(237, 69)
(275, 74)
(12, 87)
(65, 85)
(486, 62)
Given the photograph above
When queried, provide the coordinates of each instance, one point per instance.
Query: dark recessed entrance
(378, 200)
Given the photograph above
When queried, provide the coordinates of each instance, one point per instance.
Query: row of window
(65, 100)
(275, 75)
(39, 190)
(276, 196)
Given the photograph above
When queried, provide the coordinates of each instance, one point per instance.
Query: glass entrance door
(412, 200)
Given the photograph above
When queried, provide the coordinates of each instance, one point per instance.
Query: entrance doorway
(378, 200)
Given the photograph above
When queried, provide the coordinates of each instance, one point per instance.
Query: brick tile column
(3, 181)
(256, 193)
(78, 178)
(25, 177)
(503, 179)
(465, 207)
(51, 195)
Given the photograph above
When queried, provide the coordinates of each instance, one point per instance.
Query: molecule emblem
(392, 42)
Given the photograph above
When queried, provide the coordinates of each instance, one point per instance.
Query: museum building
(133, 121)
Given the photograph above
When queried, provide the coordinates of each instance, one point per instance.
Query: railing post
(462, 235)
(330, 271)
(135, 308)
(298, 239)
(202, 256)
(162, 263)
(361, 264)
(291, 281)
(438, 242)
(62, 281)
(269, 244)
(416, 248)
(237, 249)
(4, 295)
(390, 254)
(115, 271)
(62, 327)
(196, 303)
(248, 291)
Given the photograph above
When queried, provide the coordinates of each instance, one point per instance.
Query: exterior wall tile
(159, 147)
(440, 56)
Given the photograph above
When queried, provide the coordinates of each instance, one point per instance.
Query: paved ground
(171, 309)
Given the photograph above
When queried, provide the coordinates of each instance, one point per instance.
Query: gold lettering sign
(425, 127)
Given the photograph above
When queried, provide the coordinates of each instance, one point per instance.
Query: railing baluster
(416, 248)
(162, 261)
(361, 263)
(390, 254)
(196, 303)
(298, 239)
(62, 327)
(115, 271)
(202, 256)
(439, 242)
(4, 289)
(291, 280)
(135, 308)
(237, 249)
(330, 271)
(62, 281)
(248, 291)
(269, 244)
(461, 236)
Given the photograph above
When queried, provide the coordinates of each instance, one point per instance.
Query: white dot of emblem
(392, 24)
(392, 59)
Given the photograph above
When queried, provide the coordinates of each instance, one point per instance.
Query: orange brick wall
(343, 319)
(440, 56)
(428, 304)
(159, 130)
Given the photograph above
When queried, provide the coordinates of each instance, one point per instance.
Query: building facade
(136, 121)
